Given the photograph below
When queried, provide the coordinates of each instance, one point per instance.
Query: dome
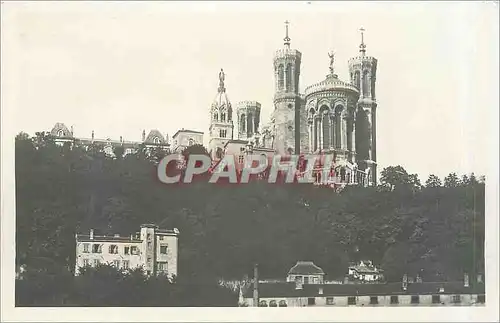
(60, 130)
(221, 101)
(331, 83)
(155, 137)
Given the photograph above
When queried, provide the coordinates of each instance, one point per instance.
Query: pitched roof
(186, 130)
(306, 268)
(269, 290)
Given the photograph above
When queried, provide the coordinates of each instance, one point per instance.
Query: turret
(363, 72)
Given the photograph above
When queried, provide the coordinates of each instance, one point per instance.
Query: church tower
(286, 114)
(221, 121)
(248, 113)
(363, 71)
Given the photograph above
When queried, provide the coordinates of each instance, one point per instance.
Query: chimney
(405, 282)
(143, 135)
(92, 135)
(256, 285)
(466, 280)
(121, 139)
(479, 278)
(91, 234)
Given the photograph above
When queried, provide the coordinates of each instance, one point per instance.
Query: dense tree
(433, 181)
(451, 180)
(225, 229)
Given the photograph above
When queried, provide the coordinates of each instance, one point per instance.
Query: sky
(120, 67)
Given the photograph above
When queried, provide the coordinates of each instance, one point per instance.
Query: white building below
(154, 249)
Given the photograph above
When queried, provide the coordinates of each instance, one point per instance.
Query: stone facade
(184, 138)
(153, 249)
(331, 117)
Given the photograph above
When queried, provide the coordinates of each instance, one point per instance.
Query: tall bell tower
(286, 114)
(221, 120)
(363, 72)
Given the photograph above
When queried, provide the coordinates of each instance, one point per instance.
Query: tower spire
(362, 46)
(287, 39)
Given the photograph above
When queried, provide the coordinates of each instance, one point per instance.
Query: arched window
(273, 303)
(288, 77)
(338, 126)
(250, 124)
(281, 75)
(218, 153)
(191, 141)
(316, 139)
(156, 140)
(366, 83)
(262, 303)
(283, 303)
(243, 123)
(357, 79)
(222, 117)
(216, 116)
(326, 126)
(60, 133)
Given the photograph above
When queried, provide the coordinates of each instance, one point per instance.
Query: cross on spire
(362, 46)
(287, 39)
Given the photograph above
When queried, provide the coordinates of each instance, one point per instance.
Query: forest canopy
(434, 229)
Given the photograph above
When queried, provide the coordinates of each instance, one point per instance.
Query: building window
(415, 299)
(311, 301)
(351, 300)
(273, 303)
(223, 133)
(160, 237)
(241, 159)
(436, 299)
(262, 304)
(373, 300)
(162, 266)
(116, 263)
(85, 247)
(306, 280)
(85, 262)
(149, 244)
(394, 299)
(113, 249)
(134, 250)
(163, 250)
(126, 264)
(96, 248)
(329, 301)
(223, 117)
(481, 299)
(60, 133)
(126, 250)
(282, 304)
(191, 142)
(97, 262)
(456, 299)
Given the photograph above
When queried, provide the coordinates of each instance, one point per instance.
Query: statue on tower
(221, 78)
(332, 61)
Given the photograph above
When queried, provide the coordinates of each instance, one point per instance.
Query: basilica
(331, 117)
